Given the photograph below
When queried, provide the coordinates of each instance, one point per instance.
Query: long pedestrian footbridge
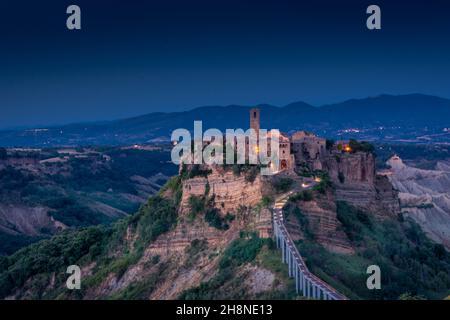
(306, 283)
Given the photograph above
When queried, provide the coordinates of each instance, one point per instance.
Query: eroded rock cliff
(424, 197)
(231, 191)
(357, 183)
(317, 219)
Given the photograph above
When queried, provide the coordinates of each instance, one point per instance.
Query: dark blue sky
(134, 57)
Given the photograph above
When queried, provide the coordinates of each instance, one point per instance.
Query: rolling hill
(385, 117)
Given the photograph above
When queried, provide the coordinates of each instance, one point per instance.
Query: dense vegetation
(228, 283)
(282, 184)
(214, 219)
(141, 162)
(40, 260)
(361, 146)
(305, 195)
(157, 216)
(73, 213)
(324, 182)
(410, 263)
(204, 205)
(250, 171)
(193, 171)
(79, 191)
(10, 243)
(45, 257)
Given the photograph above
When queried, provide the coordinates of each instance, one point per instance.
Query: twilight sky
(134, 57)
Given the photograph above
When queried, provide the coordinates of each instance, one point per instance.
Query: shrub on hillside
(213, 218)
(362, 146)
(47, 256)
(304, 195)
(282, 184)
(157, 216)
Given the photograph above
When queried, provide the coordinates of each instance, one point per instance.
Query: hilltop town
(305, 158)
(227, 232)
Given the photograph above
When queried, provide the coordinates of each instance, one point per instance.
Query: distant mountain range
(414, 118)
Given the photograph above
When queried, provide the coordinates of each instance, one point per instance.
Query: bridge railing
(306, 282)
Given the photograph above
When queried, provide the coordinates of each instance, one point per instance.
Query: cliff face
(355, 168)
(20, 219)
(353, 174)
(322, 224)
(227, 192)
(356, 182)
(231, 191)
(424, 197)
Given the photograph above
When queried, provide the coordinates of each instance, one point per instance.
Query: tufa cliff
(351, 168)
(356, 182)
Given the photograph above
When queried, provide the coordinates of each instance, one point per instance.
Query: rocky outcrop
(351, 168)
(424, 196)
(20, 219)
(178, 239)
(353, 174)
(322, 223)
(231, 192)
(356, 182)
(379, 198)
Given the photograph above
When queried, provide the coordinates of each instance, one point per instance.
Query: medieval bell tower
(254, 120)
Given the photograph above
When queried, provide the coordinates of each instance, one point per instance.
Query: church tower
(254, 120)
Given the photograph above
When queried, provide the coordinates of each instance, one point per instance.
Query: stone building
(285, 155)
(286, 158)
(308, 149)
